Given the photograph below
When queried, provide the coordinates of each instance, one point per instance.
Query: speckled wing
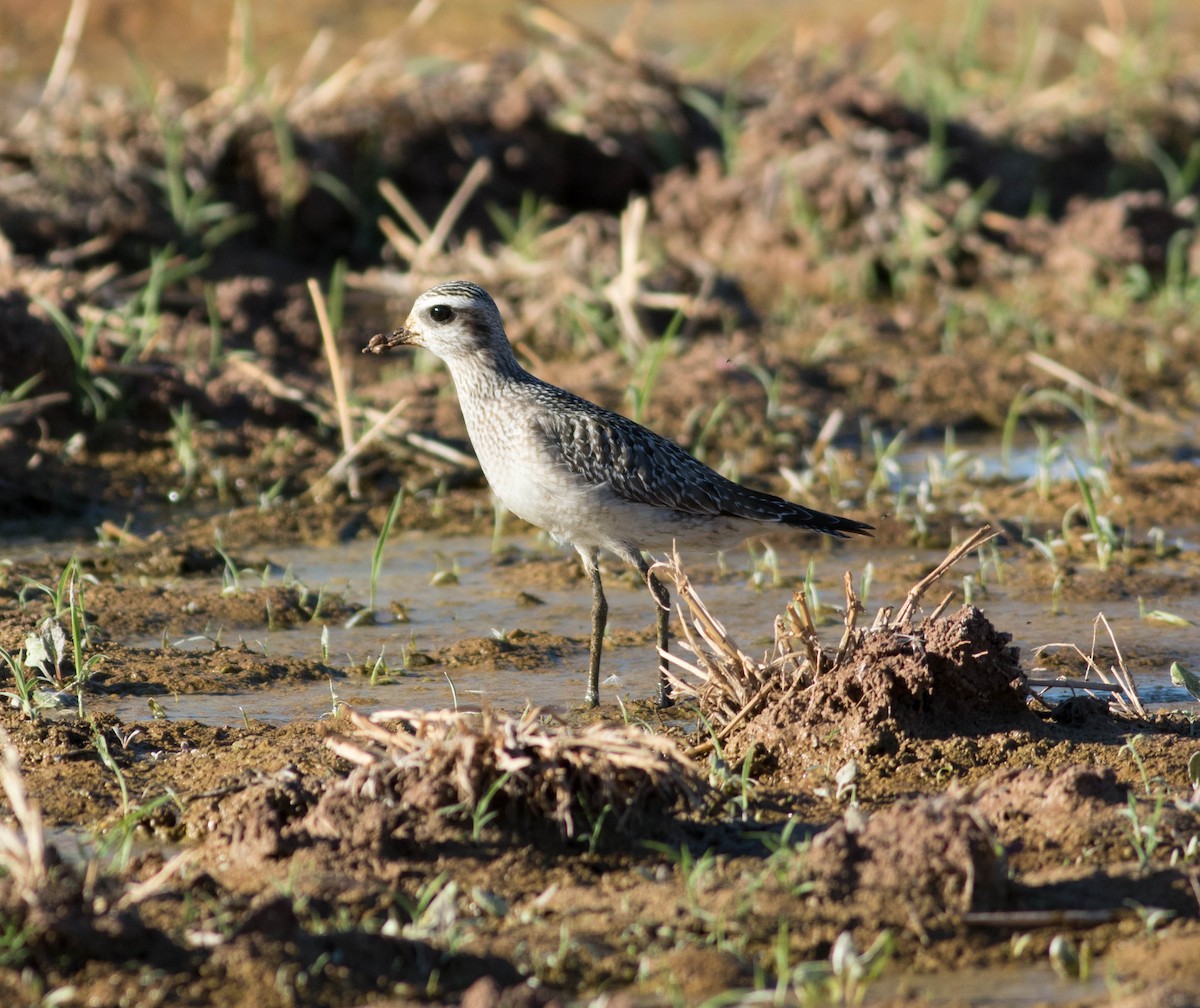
(645, 468)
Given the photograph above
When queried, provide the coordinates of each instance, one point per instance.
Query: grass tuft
(521, 772)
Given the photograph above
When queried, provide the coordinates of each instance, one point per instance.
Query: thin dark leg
(663, 599)
(599, 619)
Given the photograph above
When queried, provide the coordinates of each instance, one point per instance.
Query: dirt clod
(944, 677)
(1032, 810)
(528, 773)
(931, 858)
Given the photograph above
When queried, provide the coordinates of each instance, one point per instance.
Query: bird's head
(454, 321)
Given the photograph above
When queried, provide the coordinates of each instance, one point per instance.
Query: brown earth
(833, 246)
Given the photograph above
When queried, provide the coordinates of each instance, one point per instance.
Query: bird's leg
(663, 599)
(599, 619)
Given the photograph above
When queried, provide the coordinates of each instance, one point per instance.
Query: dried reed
(1118, 681)
(23, 849)
(530, 769)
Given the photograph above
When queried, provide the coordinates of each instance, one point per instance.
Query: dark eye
(441, 313)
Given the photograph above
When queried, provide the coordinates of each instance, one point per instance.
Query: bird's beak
(386, 341)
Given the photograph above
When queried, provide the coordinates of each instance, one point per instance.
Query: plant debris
(526, 773)
(934, 677)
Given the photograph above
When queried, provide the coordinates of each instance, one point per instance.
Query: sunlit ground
(123, 40)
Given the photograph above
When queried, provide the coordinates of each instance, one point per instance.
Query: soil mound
(1035, 811)
(945, 677)
(520, 649)
(925, 860)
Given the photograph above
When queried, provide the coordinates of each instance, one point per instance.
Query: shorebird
(591, 478)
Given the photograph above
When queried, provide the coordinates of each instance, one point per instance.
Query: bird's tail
(834, 525)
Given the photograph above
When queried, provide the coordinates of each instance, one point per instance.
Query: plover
(589, 477)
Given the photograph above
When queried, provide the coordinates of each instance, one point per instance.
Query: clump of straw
(524, 772)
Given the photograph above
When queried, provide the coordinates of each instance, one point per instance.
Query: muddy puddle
(229, 723)
(457, 624)
(844, 814)
(999, 987)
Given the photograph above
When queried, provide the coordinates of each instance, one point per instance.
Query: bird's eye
(441, 313)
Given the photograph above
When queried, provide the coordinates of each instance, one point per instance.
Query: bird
(593, 479)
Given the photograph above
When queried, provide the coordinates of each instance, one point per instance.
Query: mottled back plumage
(643, 467)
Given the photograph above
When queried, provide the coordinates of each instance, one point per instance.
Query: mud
(362, 862)
(836, 249)
(939, 680)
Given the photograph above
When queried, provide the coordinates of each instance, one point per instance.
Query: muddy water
(449, 590)
(990, 987)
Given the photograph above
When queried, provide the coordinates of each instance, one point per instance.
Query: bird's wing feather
(645, 468)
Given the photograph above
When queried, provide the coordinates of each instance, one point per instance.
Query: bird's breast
(516, 463)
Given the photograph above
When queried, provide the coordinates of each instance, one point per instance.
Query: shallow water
(1013, 986)
(483, 600)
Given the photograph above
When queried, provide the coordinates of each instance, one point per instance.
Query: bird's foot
(664, 694)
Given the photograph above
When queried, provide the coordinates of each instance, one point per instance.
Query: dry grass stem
(379, 420)
(22, 850)
(625, 288)
(941, 606)
(405, 247)
(404, 210)
(480, 172)
(64, 57)
(340, 468)
(139, 892)
(1117, 681)
(381, 55)
(854, 608)
(440, 450)
(422, 248)
(340, 393)
(917, 592)
(279, 389)
(569, 32)
(308, 68)
(1028, 920)
(725, 680)
(1117, 402)
(237, 72)
(15, 413)
(533, 768)
(1065, 682)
